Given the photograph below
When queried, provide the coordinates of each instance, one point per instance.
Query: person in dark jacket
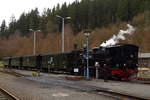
(106, 74)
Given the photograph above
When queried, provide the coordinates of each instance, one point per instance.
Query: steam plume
(120, 36)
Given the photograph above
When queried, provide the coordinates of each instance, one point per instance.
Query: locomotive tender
(117, 62)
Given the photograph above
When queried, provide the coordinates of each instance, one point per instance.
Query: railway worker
(97, 66)
(105, 71)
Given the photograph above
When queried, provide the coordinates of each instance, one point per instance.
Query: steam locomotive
(117, 62)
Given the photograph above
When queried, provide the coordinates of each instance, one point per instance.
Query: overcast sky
(17, 7)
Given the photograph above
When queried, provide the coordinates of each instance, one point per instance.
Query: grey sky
(17, 7)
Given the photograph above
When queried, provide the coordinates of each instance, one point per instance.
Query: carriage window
(28, 60)
(50, 61)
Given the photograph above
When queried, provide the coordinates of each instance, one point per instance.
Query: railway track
(11, 72)
(5, 95)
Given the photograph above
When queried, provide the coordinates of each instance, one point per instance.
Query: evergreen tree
(3, 29)
(23, 24)
(85, 14)
(12, 25)
(34, 19)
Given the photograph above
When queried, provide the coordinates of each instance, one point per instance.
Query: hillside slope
(17, 45)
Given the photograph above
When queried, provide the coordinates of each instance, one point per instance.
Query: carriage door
(39, 62)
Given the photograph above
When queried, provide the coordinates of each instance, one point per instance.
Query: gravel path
(55, 87)
(31, 90)
(140, 90)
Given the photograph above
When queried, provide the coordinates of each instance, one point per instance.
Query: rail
(8, 94)
(118, 95)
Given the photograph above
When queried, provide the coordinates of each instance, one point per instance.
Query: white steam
(120, 36)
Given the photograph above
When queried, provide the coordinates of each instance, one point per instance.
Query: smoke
(120, 36)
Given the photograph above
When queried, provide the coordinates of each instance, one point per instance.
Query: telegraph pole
(87, 34)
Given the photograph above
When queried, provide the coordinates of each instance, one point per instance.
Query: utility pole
(87, 34)
(34, 42)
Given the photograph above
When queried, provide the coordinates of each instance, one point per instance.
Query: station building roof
(144, 55)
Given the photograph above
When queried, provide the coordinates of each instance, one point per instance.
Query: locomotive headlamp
(131, 56)
(117, 65)
(124, 64)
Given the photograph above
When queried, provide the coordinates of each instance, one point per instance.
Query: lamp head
(58, 16)
(31, 30)
(68, 18)
(38, 31)
(87, 32)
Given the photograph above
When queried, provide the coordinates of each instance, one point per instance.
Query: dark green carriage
(47, 62)
(29, 62)
(11, 62)
(6, 61)
(15, 62)
(54, 62)
(62, 62)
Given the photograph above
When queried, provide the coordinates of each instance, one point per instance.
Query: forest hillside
(104, 18)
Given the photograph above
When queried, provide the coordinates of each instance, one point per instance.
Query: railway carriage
(6, 61)
(29, 62)
(15, 62)
(53, 62)
(62, 62)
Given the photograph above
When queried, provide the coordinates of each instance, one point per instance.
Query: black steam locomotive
(117, 62)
